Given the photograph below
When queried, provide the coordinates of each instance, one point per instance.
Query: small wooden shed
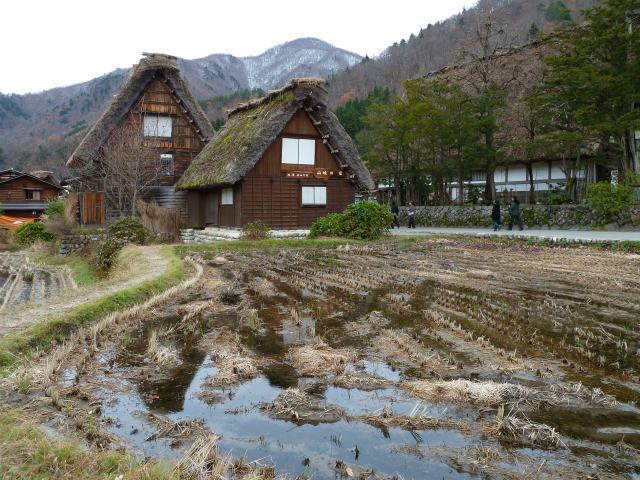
(25, 195)
(283, 159)
(172, 127)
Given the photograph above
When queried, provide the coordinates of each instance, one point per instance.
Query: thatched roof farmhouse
(284, 159)
(175, 130)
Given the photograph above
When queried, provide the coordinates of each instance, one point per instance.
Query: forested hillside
(449, 42)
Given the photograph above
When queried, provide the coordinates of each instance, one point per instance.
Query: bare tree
(128, 166)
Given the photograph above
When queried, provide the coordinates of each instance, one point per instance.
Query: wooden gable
(16, 189)
(300, 126)
(184, 143)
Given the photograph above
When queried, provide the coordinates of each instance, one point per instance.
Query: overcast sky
(48, 43)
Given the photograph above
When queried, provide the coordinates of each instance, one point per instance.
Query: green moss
(233, 145)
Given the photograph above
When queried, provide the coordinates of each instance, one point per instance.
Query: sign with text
(298, 174)
(328, 173)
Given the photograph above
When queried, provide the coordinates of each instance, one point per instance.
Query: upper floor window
(314, 195)
(299, 151)
(31, 194)
(166, 164)
(157, 126)
(226, 198)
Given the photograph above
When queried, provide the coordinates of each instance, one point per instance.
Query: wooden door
(93, 212)
(211, 207)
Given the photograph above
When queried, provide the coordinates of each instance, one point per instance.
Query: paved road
(582, 235)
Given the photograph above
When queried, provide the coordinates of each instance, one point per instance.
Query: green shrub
(363, 220)
(333, 225)
(108, 253)
(257, 230)
(367, 220)
(127, 230)
(55, 208)
(29, 233)
(609, 200)
(130, 230)
(556, 195)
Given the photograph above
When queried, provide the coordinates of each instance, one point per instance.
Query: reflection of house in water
(296, 331)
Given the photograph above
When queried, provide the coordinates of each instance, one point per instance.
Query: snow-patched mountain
(45, 127)
(304, 57)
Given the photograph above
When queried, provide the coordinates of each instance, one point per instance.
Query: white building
(514, 179)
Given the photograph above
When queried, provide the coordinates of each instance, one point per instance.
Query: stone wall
(576, 217)
(214, 234)
(71, 243)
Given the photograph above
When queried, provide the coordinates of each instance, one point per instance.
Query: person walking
(495, 215)
(514, 213)
(411, 212)
(395, 211)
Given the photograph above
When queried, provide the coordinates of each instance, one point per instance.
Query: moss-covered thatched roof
(253, 126)
(151, 66)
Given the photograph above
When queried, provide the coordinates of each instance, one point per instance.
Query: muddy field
(22, 282)
(435, 359)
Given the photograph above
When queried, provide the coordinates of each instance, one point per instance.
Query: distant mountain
(42, 129)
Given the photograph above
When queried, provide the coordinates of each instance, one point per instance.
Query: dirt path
(147, 264)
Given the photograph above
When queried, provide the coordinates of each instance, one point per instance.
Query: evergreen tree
(593, 84)
(533, 31)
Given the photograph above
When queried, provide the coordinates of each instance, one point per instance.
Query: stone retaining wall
(576, 217)
(215, 234)
(71, 243)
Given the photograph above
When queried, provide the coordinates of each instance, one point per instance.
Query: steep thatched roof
(152, 65)
(253, 126)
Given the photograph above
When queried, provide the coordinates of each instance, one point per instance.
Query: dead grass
(299, 406)
(416, 421)
(203, 461)
(167, 428)
(159, 219)
(402, 346)
(524, 431)
(232, 371)
(320, 359)
(161, 355)
(466, 391)
(360, 381)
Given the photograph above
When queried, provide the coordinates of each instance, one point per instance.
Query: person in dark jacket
(411, 212)
(395, 211)
(514, 213)
(495, 215)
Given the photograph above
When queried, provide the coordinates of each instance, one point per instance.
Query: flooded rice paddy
(434, 359)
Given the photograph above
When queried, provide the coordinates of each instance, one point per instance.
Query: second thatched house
(141, 145)
(283, 159)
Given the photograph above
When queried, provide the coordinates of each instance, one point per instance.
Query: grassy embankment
(14, 347)
(26, 452)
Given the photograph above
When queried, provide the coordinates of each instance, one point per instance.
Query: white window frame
(226, 196)
(157, 126)
(163, 158)
(302, 150)
(319, 193)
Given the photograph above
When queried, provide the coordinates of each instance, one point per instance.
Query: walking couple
(514, 214)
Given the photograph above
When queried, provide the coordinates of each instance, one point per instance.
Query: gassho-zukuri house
(173, 127)
(283, 159)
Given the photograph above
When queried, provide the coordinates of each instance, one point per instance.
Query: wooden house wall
(18, 193)
(184, 143)
(269, 196)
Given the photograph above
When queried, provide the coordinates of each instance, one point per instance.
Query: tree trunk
(532, 188)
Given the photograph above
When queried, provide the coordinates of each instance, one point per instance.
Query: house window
(314, 195)
(478, 176)
(166, 164)
(298, 151)
(157, 126)
(226, 198)
(32, 194)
